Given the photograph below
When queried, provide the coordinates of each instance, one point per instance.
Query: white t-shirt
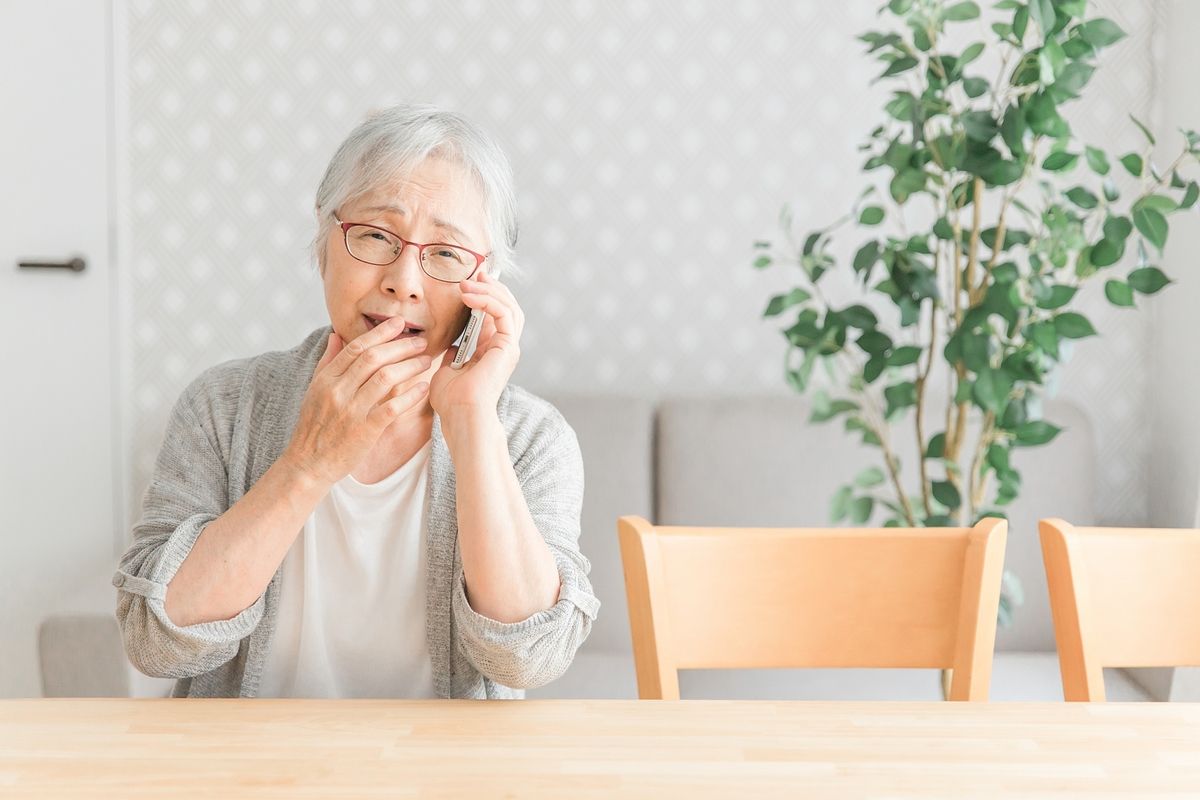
(351, 616)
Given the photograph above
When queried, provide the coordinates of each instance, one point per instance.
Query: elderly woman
(355, 517)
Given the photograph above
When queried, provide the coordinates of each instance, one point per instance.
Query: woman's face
(439, 202)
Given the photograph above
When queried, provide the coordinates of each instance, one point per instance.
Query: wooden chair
(1121, 597)
(723, 598)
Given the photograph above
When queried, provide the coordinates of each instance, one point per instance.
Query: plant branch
(922, 380)
(976, 479)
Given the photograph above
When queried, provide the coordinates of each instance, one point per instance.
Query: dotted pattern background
(652, 144)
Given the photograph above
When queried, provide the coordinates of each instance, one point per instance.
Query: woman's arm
(509, 569)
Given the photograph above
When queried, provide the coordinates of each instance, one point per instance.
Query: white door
(56, 366)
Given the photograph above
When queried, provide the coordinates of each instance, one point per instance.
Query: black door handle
(76, 264)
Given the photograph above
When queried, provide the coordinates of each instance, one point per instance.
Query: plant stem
(976, 479)
(960, 417)
(894, 472)
(922, 378)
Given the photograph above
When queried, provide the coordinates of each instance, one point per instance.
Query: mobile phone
(470, 337)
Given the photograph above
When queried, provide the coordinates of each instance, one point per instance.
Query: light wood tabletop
(595, 748)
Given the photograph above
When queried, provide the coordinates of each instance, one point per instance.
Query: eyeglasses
(440, 261)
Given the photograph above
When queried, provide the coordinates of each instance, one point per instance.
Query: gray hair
(391, 142)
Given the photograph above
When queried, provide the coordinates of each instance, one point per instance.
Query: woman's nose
(404, 275)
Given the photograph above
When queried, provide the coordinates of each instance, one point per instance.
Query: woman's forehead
(447, 196)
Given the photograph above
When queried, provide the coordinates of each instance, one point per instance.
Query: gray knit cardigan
(227, 428)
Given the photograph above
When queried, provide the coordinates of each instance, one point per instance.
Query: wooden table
(595, 748)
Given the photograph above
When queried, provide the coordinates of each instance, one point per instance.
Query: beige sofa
(751, 460)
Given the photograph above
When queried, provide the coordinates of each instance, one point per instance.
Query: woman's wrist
(469, 424)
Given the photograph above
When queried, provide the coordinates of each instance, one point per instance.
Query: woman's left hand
(477, 385)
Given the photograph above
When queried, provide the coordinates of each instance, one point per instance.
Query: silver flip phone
(470, 337)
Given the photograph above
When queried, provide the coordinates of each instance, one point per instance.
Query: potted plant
(988, 218)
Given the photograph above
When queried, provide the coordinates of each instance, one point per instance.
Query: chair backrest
(1121, 597)
(725, 598)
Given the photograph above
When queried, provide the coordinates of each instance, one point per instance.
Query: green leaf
(1148, 280)
(900, 6)
(1044, 336)
(942, 229)
(906, 183)
(969, 54)
(1158, 202)
(945, 493)
(901, 106)
(961, 11)
(1106, 253)
(1190, 195)
(1101, 33)
(762, 261)
(902, 64)
(875, 342)
(871, 215)
(781, 302)
(1032, 434)
(1117, 229)
(974, 87)
(830, 409)
(1070, 82)
(1058, 297)
(871, 476)
(841, 503)
(1082, 197)
(1073, 326)
(1133, 164)
(1145, 131)
(1060, 161)
(873, 368)
(979, 125)
(1012, 130)
(1002, 172)
(860, 509)
(858, 316)
(991, 389)
(1097, 160)
(1118, 293)
(1042, 13)
(1051, 60)
(1042, 115)
(1006, 272)
(937, 446)
(811, 242)
(997, 457)
(902, 395)
(1110, 189)
(903, 356)
(1152, 225)
(866, 256)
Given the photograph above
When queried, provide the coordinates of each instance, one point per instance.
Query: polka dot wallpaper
(652, 144)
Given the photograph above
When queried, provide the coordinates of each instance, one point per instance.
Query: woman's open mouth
(408, 331)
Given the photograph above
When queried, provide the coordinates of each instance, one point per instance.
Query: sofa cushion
(616, 438)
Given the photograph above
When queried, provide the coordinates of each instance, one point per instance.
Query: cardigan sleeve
(538, 649)
(188, 490)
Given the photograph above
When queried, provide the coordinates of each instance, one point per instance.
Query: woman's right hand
(357, 390)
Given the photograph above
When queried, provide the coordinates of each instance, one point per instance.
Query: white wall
(1172, 420)
(652, 144)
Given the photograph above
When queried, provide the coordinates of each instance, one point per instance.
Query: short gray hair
(391, 142)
